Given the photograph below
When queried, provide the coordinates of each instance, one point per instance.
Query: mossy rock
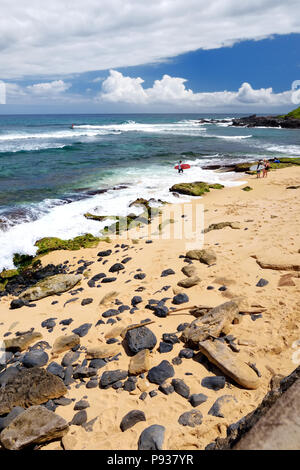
(247, 188)
(216, 186)
(22, 261)
(197, 188)
(9, 273)
(242, 167)
(47, 244)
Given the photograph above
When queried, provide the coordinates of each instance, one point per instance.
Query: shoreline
(268, 216)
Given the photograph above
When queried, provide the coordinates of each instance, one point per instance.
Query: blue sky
(81, 69)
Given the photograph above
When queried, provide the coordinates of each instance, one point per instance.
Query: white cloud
(63, 37)
(49, 88)
(172, 91)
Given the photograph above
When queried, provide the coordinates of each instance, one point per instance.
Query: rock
(286, 281)
(180, 299)
(102, 351)
(97, 363)
(165, 347)
(186, 353)
(131, 418)
(110, 377)
(79, 418)
(115, 268)
(140, 338)
(96, 278)
(262, 282)
(214, 383)
(198, 188)
(220, 225)
(81, 405)
(129, 385)
(160, 373)
(50, 286)
(17, 303)
(189, 271)
(82, 330)
(69, 358)
(227, 361)
(189, 282)
(160, 311)
(62, 401)
(104, 253)
(112, 312)
(283, 263)
(213, 323)
(34, 426)
(86, 301)
(181, 388)
(20, 343)
(197, 398)
(152, 438)
(34, 358)
(30, 387)
(170, 338)
(206, 256)
(16, 411)
(63, 343)
(136, 300)
(167, 272)
(223, 406)
(139, 276)
(166, 388)
(83, 372)
(191, 418)
(140, 363)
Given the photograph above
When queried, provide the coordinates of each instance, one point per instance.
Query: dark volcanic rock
(181, 388)
(131, 418)
(167, 272)
(17, 303)
(104, 253)
(16, 411)
(267, 121)
(186, 353)
(30, 387)
(197, 398)
(139, 276)
(110, 377)
(115, 268)
(262, 282)
(108, 279)
(170, 338)
(191, 418)
(166, 388)
(56, 369)
(221, 405)
(152, 438)
(160, 311)
(86, 301)
(136, 300)
(160, 373)
(69, 358)
(94, 279)
(165, 347)
(110, 313)
(79, 418)
(214, 383)
(81, 405)
(140, 338)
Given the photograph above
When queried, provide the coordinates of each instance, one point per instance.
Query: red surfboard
(184, 166)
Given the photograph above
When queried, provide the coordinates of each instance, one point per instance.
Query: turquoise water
(49, 172)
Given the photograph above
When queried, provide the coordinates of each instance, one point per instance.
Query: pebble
(191, 418)
(186, 353)
(160, 373)
(214, 383)
(110, 377)
(167, 272)
(131, 418)
(197, 398)
(262, 282)
(82, 330)
(136, 300)
(180, 299)
(86, 301)
(81, 405)
(165, 347)
(181, 388)
(79, 418)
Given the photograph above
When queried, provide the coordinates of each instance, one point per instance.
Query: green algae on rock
(47, 244)
(198, 188)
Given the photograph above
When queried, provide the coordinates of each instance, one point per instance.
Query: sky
(123, 56)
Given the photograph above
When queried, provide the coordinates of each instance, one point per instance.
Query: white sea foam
(67, 220)
(287, 149)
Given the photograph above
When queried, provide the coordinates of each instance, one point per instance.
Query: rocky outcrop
(34, 426)
(30, 387)
(50, 286)
(211, 324)
(229, 363)
(286, 263)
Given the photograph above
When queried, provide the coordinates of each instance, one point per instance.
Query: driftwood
(198, 310)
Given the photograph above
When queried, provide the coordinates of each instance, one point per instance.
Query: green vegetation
(47, 244)
(293, 114)
(195, 189)
(247, 188)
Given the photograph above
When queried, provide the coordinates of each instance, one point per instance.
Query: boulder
(190, 270)
(34, 358)
(140, 363)
(50, 286)
(189, 282)
(213, 323)
(227, 361)
(152, 438)
(34, 426)
(16, 411)
(108, 378)
(140, 338)
(20, 343)
(206, 256)
(30, 387)
(63, 343)
(160, 373)
(131, 418)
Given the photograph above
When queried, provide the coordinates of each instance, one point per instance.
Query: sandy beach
(268, 218)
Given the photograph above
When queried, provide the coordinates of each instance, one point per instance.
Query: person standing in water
(180, 169)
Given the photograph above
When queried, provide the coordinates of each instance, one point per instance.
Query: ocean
(51, 174)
